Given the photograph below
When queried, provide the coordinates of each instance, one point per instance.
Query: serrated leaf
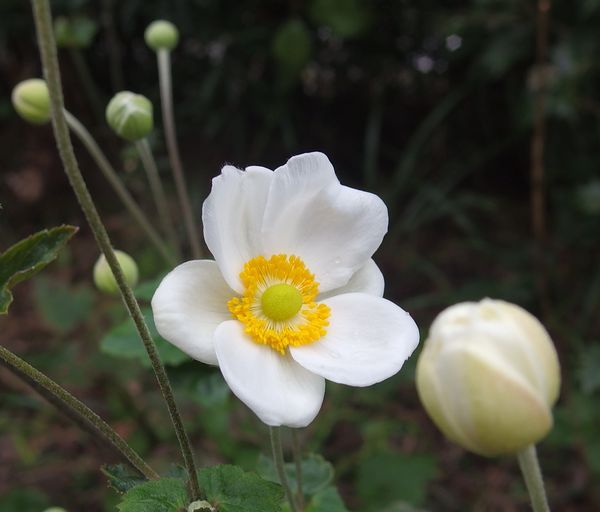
(231, 489)
(121, 478)
(164, 495)
(123, 341)
(317, 473)
(29, 256)
(327, 500)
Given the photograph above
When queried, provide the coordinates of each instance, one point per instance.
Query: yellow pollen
(278, 305)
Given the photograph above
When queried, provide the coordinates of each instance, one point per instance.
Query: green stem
(113, 178)
(47, 46)
(532, 474)
(275, 433)
(298, 463)
(158, 192)
(74, 409)
(166, 99)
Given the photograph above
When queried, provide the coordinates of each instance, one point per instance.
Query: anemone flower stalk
(276, 448)
(158, 192)
(166, 100)
(48, 53)
(532, 474)
(113, 178)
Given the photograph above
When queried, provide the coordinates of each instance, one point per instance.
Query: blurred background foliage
(428, 104)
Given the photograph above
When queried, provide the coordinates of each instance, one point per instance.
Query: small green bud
(130, 115)
(488, 376)
(201, 506)
(75, 32)
(104, 278)
(161, 34)
(32, 101)
(55, 509)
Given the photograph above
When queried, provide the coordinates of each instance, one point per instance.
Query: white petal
(333, 228)
(367, 279)
(189, 304)
(275, 387)
(232, 216)
(367, 341)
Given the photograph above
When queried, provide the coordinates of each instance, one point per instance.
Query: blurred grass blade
(29, 256)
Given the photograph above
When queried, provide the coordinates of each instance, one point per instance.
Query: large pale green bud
(130, 115)
(32, 101)
(488, 376)
(104, 278)
(161, 35)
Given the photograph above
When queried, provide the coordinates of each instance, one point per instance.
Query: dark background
(429, 104)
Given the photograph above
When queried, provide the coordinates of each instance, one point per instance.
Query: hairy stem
(47, 46)
(275, 433)
(166, 99)
(75, 410)
(158, 191)
(113, 178)
(532, 474)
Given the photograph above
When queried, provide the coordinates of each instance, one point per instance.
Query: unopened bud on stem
(488, 376)
(161, 35)
(104, 278)
(130, 115)
(32, 101)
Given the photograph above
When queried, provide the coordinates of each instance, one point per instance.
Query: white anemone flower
(293, 296)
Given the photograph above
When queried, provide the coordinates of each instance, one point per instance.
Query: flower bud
(488, 376)
(75, 32)
(55, 509)
(32, 101)
(104, 278)
(161, 34)
(130, 115)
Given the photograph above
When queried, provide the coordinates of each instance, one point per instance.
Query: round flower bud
(32, 101)
(488, 376)
(104, 278)
(55, 509)
(130, 115)
(161, 35)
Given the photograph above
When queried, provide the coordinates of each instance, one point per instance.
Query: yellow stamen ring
(278, 306)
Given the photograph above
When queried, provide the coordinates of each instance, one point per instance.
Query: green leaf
(317, 473)
(61, 306)
(164, 495)
(327, 500)
(29, 256)
(231, 489)
(121, 478)
(389, 477)
(123, 341)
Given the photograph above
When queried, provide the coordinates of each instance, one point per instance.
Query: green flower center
(281, 302)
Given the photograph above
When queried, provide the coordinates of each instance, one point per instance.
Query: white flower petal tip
(189, 304)
(277, 389)
(367, 341)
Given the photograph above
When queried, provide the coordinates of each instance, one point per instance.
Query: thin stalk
(158, 191)
(75, 410)
(113, 178)
(528, 462)
(537, 172)
(297, 450)
(166, 100)
(275, 434)
(47, 46)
